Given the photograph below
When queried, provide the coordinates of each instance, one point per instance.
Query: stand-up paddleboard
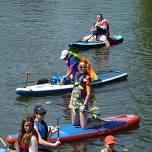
(3, 150)
(114, 40)
(108, 125)
(3, 146)
(49, 88)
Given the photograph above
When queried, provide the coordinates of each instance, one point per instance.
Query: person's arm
(44, 142)
(88, 88)
(52, 130)
(102, 26)
(85, 104)
(33, 147)
(93, 28)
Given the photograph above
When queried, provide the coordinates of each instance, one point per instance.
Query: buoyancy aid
(78, 96)
(25, 141)
(43, 130)
(101, 31)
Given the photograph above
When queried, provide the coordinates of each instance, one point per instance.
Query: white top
(33, 147)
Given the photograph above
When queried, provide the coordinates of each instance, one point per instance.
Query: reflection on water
(101, 56)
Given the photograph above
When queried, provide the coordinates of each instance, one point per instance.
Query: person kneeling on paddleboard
(80, 96)
(109, 144)
(43, 130)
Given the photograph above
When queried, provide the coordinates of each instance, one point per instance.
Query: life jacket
(101, 31)
(78, 95)
(43, 130)
(25, 141)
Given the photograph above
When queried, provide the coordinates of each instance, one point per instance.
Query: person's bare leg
(83, 119)
(88, 38)
(75, 118)
(105, 40)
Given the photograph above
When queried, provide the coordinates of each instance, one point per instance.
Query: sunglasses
(82, 67)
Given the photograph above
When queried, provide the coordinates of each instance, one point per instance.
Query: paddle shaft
(68, 107)
(3, 142)
(26, 81)
(58, 133)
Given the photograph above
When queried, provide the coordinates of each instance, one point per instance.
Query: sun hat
(39, 109)
(110, 139)
(64, 53)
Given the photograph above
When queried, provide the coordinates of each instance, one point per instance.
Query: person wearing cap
(109, 144)
(72, 60)
(43, 130)
(80, 96)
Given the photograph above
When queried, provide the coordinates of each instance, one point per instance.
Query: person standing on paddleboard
(43, 130)
(100, 31)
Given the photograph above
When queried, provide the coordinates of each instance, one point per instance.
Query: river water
(32, 35)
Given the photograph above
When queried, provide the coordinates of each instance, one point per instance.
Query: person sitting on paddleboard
(100, 31)
(28, 137)
(80, 96)
(43, 130)
(72, 60)
(109, 144)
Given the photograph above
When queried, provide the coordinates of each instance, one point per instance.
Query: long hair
(23, 136)
(100, 15)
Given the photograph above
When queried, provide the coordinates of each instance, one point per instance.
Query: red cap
(110, 139)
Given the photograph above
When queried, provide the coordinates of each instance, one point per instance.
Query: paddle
(50, 102)
(58, 123)
(4, 144)
(27, 75)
